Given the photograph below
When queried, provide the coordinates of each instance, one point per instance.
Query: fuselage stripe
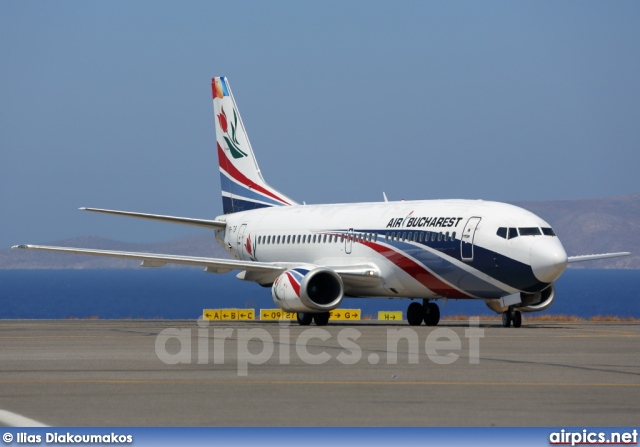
(419, 273)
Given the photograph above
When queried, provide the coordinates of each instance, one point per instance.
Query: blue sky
(108, 104)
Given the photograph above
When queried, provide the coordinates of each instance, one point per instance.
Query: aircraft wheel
(304, 318)
(431, 314)
(321, 319)
(506, 319)
(415, 314)
(517, 319)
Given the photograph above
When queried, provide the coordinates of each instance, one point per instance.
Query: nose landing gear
(512, 317)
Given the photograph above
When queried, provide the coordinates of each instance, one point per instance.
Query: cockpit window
(548, 231)
(502, 232)
(529, 231)
(513, 232)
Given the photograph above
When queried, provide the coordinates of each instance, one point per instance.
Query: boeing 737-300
(312, 256)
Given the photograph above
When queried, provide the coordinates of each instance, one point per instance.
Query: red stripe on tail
(230, 169)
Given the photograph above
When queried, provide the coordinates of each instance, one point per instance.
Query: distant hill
(585, 226)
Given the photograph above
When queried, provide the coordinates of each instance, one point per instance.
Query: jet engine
(528, 302)
(535, 302)
(303, 290)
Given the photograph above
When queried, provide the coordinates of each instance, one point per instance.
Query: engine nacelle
(303, 290)
(526, 302)
(535, 302)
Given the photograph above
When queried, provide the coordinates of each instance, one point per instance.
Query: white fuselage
(422, 249)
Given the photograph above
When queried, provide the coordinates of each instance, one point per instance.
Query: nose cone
(548, 259)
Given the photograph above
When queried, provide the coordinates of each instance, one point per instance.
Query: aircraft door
(348, 242)
(241, 246)
(468, 234)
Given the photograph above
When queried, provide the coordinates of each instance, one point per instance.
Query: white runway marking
(15, 420)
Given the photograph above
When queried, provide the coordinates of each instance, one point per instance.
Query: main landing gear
(305, 318)
(512, 316)
(427, 312)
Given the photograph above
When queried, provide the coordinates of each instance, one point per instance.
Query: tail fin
(243, 187)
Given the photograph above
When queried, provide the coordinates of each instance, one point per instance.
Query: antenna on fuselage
(384, 196)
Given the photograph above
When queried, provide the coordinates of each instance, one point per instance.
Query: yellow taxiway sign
(229, 314)
(386, 315)
(336, 315)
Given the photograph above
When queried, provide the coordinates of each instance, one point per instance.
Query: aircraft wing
(594, 257)
(213, 265)
(215, 224)
(261, 272)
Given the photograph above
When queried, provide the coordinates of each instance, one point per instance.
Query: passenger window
(289, 239)
(433, 237)
(324, 239)
(513, 232)
(386, 237)
(502, 232)
(446, 236)
(453, 236)
(375, 237)
(298, 239)
(421, 236)
(439, 237)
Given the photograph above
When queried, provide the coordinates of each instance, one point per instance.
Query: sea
(184, 293)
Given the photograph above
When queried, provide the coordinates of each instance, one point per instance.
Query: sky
(107, 104)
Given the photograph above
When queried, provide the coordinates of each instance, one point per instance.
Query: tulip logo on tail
(232, 143)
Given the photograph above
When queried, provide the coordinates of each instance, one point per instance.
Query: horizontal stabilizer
(595, 257)
(215, 224)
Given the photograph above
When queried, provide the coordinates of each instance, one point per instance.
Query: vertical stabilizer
(243, 187)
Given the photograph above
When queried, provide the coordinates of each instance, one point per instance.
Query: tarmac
(189, 373)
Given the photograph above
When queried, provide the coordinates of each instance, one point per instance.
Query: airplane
(312, 256)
